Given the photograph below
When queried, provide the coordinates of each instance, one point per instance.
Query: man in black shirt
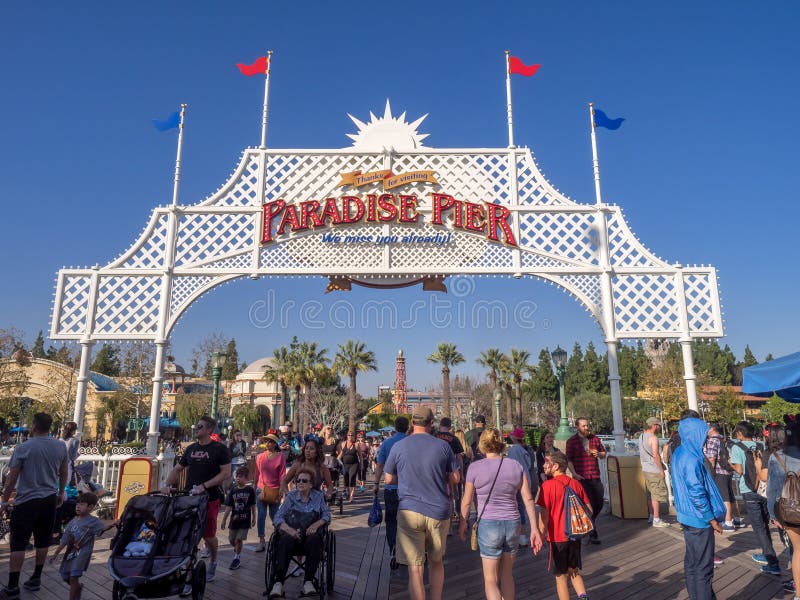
(458, 451)
(474, 435)
(208, 466)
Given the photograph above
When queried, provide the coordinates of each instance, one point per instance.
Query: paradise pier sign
(386, 211)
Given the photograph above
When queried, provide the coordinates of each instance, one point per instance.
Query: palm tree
(518, 364)
(351, 358)
(447, 355)
(281, 372)
(504, 382)
(308, 359)
(493, 360)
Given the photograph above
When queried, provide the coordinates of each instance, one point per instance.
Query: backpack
(672, 445)
(787, 507)
(750, 472)
(724, 456)
(577, 516)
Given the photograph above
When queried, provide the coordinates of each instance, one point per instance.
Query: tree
(594, 406)
(493, 360)
(231, 367)
(62, 383)
(518, 364)
(107, 361)
(280, 371)
(573, 375)
(201, 353)
(591, 372)
(247, 418)
(352, 358)
(774, 409)
(38, 347)
(665, 387)
(190, 407)
(448, 356)
(749, 360)
(14, 379)
(138, 366)
(543, 385)
(769, 357)
(115, 409)
(326, 405)
(727, 407)
(309, 362)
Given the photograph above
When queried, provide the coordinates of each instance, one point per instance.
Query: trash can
(626, 491)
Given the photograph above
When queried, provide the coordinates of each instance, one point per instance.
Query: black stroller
(174, 524)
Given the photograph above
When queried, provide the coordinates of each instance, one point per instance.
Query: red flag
(516, 66)
(261, 66)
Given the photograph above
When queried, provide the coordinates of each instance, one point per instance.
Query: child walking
(240, 506)
(565, 555)
(78, 539)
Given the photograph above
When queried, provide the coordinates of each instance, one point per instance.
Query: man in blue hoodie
(699, 507)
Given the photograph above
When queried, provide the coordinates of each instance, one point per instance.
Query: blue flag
(171, 122)
(601, 120)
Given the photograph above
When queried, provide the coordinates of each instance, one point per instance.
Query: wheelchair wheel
(330, 561)
(199, 580)
(269, 565)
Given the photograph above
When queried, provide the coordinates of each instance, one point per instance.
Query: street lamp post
(217, 362)
(497, 395)
(324, 416)
(24, 405)
(703, 406)
(292, 402)
(560, 361)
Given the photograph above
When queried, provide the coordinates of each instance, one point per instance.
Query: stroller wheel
(199, 580)
(116, 591)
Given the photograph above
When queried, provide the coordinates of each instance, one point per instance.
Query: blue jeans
(261, 514)
(756, 507)
(498, 537)
(698, 562)
(392, 502)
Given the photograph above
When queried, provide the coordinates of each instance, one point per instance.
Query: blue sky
(702, 166)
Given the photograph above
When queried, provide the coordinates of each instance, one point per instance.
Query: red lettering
(475, 217)
(331, 212)
(290, 218)
(309, 210)
(457, 218)
(498, 215)
(441, 203)
(387, 204)
(371, 207)
(408, 203)
(346, 202)
(270, 211)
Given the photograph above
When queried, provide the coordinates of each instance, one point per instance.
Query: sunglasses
(304, 480)
(199, 426)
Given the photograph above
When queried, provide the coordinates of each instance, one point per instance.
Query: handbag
(270, 495)
(376, 513)
(473, 540)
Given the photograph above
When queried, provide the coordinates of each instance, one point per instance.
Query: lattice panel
(462, 249)
(242, 188)
(127, 305)
(533, 188)
(645, 305)
(149, 253)
(570, 236)
(623, 248)
(702, 305)
(586, 288)
(300, 177)
(309, 251)
(274, 257)
(203, 238)
(183, 288)
(73, 304)
(532, 260)
(472, 177)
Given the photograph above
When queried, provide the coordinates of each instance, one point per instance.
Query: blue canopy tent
(780, 376)
(164, 423)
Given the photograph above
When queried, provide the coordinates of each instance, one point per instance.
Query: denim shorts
(496, 537)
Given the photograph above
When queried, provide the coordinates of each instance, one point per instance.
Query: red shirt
(551, 497)
(585, 465)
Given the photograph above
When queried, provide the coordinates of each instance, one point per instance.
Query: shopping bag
(375, 514)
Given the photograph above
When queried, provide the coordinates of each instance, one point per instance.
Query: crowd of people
(502, 493)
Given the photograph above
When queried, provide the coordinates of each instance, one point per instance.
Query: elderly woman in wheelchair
(300, 525)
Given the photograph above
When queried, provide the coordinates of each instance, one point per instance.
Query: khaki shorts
(418, 534)
(656, 486)
(237, 534)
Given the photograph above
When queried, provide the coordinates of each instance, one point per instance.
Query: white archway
(402, 213)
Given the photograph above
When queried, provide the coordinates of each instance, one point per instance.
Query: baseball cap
(480, 419)
(283, 429)
(653, 421)
(445, 422)
(422, 413)
(518, 433)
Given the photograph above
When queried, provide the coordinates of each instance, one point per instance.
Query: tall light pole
(497, 394)
(292, 402)
(217, 362)
(560, 361)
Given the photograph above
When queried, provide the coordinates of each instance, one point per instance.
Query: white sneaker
(276, 591)
(204, 553)
(309, 589)
(523, 540)
(186, 591)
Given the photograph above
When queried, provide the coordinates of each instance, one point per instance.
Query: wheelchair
(326, 573)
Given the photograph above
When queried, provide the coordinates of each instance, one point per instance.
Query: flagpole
(266, 102)
(508, 104)
(596, 162)
(178, 158)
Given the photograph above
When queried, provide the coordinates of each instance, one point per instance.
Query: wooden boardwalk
(634, 562)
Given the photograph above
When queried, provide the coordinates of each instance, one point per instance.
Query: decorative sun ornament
(387, 132)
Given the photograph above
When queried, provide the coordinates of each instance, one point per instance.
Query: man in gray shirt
(653, 471)
(38, 471)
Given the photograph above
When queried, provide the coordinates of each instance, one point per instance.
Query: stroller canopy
(780, 376)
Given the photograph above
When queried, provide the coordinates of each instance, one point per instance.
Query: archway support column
(686, 343)
(82, 385)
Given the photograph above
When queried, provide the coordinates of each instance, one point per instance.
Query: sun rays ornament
(387, 132)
